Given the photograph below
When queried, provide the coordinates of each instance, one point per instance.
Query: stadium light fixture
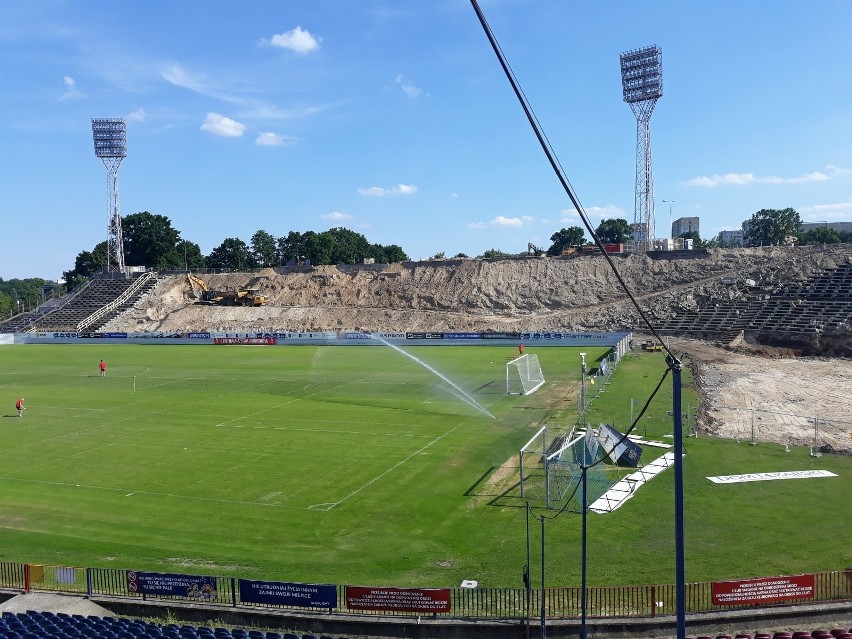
(110, 138)
(642, 86)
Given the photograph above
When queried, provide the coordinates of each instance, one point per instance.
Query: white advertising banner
(795, 474)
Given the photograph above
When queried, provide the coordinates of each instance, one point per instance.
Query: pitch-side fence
(483, 603)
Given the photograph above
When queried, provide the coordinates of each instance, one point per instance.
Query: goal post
(523, 375)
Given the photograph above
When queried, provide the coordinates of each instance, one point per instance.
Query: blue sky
(393, 118)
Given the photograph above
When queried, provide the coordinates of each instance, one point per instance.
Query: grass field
(356, 464)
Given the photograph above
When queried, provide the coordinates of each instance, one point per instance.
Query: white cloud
(378, 191)
(179, 77)
(223, 126)
(71, 90)
(507, 221)
(840, 211)
(298, 40)
(741, 179)
(267, 138)
(336, 216)
(407, 88)
(136, 116)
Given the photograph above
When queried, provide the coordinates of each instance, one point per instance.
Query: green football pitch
(360, 465)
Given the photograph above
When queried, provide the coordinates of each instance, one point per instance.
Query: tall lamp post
(582, 384)
(671, 229)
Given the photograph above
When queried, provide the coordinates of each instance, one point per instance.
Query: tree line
(150, 240)
(767, 227)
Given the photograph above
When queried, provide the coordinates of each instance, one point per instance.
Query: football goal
(564, 469)
(523, 375)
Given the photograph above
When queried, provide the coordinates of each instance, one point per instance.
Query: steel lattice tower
(642, 83)
(110, 136)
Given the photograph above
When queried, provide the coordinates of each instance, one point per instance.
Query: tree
(263, 248)
(773, 227)
(394, 253)
(86, 264)
(493, 253)
(18, 295)
(820, 235)
(190, 254)
(318, 247)
(566, 238)
(348, 247)
(291, 248)
(697, 242)
(232, 255)
(150, 240)
(614, 231)
(440, 255)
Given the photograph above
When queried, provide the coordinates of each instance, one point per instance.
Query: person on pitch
(19, 406)
(521, 348)
(102, 367)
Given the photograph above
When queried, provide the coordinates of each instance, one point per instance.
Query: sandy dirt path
(795, 401)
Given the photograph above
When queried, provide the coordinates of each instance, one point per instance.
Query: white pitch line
(392, 468)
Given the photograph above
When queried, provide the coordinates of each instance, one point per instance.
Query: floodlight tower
(642, 84)
(110, 136)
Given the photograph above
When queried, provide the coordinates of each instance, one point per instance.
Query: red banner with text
(764, 590)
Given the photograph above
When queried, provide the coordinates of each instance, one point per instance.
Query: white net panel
(523, 375)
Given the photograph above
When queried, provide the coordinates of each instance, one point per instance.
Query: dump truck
(228, 297)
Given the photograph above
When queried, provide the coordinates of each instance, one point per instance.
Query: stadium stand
(48, 625)
(820, 303)
(88, 308)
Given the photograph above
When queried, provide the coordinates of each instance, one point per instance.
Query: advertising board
(422, 600)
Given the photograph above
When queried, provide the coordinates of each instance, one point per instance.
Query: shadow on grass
(506, 498)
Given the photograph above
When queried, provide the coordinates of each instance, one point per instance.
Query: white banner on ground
(795, 474)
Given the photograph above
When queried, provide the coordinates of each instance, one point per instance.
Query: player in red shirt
(102, 366)
(520, 349)
(19, 406)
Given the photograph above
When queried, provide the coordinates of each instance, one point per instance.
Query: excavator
(238, 297)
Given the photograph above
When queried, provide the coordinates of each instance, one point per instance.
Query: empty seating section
(96, 295)
(821, 303)
(49, 625)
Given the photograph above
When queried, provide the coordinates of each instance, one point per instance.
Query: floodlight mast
(642, 84)
(110, 137)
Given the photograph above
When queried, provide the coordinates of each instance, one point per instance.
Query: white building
(732, 238)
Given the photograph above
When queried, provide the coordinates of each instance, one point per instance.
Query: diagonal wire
(560, 173)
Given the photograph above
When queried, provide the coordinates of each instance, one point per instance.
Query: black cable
(557, 169)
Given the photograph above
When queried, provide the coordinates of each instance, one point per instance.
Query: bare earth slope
(523, 294)
(745, 394)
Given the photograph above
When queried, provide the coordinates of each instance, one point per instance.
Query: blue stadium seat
(273, 635)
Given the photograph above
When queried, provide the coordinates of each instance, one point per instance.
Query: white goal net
(523, 375)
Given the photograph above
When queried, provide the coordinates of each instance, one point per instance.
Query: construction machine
(228, 297)
(651, 345)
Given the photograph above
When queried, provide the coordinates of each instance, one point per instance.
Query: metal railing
(639, 601)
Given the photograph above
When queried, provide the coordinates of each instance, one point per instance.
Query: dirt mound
(526, 294)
